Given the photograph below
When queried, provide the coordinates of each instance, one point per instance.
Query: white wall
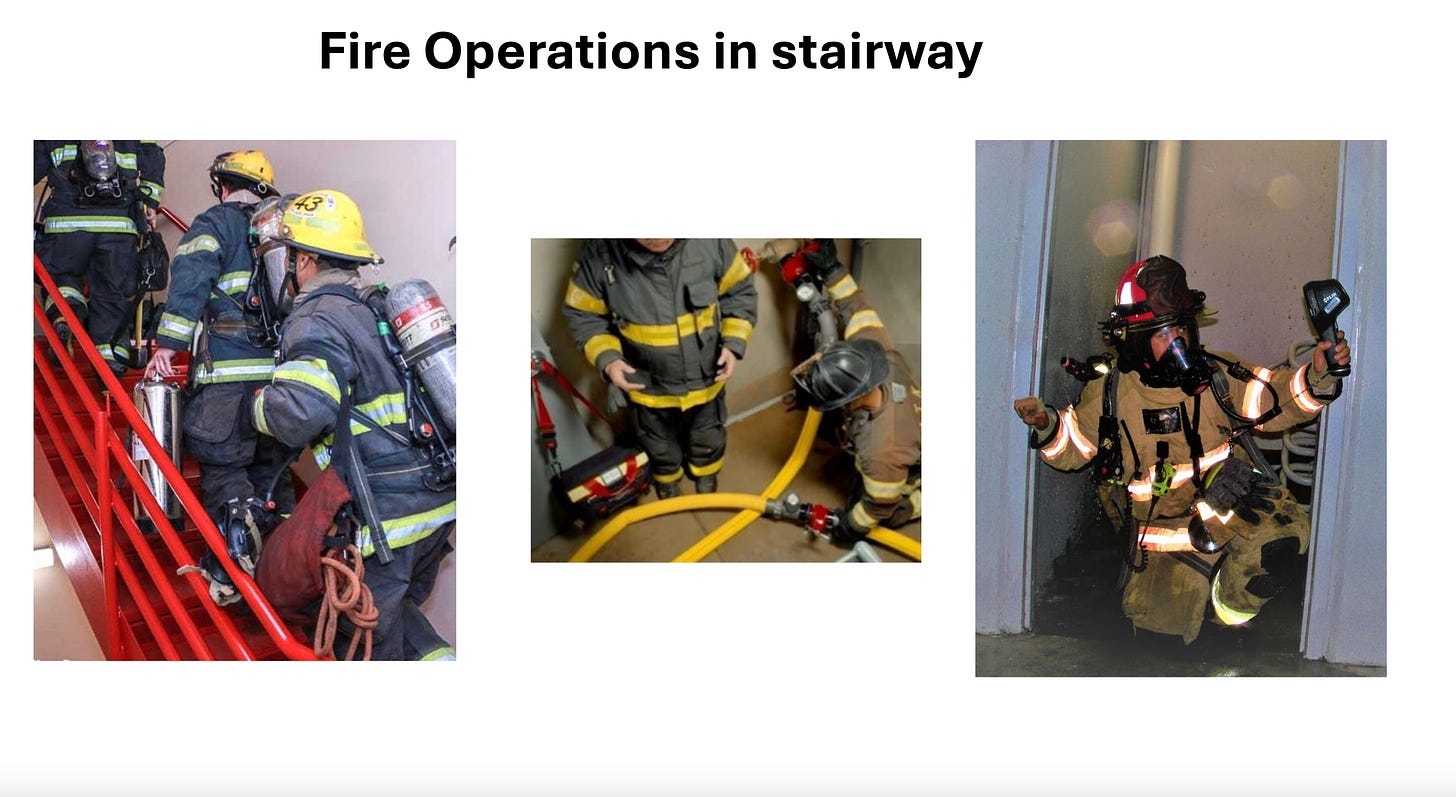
(404, 189)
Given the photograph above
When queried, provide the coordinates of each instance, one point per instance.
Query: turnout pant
(106, 264)
(399, 589)
(671, 437)
(234, 459)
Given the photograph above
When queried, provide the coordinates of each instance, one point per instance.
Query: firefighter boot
(707, 484)
(63, 332)
(244, 543)
(667, 490)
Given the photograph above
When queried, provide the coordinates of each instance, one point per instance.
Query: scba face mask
(1182, 364)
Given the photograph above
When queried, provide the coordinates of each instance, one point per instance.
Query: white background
(657, 679)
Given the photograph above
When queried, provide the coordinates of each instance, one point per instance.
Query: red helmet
(1151, 294)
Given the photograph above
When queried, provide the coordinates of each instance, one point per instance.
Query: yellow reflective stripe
(705, 470)
(884, 491)
(233, 282)
(89, 224)
(177, 326)
(844, 288)
(1227, 615)
(202, 243)
(247, 370)
(385, 410)
(686, 401)
(71, 295)
(864, 319)
(663, 335)
(737, 328)
(668, 478)
(60, 155)
(1299, 386)
(447, 653)
(126, 160)
(1142, 489)
(737, 273)
(577, 298)
(915, 504)
(260, 422)
(314, 373)
(1208, 513)
(861, 517)
(408, 529)
(600, 344)
(152, 188)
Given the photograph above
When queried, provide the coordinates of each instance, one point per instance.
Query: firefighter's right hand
(1031, 412)
(617, 371)
(1234, 486)
(161, 364)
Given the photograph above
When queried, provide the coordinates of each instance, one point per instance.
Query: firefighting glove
(1234, 486)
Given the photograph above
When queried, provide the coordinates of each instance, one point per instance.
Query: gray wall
(1013, 189)
(1094, 236)
(1256, 220)
(1346, 608)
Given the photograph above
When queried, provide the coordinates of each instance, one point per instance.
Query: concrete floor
(758, 446)
(1079, 630)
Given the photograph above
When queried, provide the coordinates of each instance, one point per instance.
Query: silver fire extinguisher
(159, 404)
(427, 333)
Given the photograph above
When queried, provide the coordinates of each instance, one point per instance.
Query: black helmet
(842, 373)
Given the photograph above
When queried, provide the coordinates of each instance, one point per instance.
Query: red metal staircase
(85, 486)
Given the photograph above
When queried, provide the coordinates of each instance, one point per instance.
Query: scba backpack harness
(600, 484)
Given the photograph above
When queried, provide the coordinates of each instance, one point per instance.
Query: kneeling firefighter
(231, 340)
(877, 396)
(347, 386)
(1208, 521)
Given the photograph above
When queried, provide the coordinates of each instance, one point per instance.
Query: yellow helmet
(327, 222)
(245, 164)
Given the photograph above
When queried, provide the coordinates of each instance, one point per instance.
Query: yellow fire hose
(752, 506)
(780, 482)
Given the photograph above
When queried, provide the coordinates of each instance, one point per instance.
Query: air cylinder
(427, 333)
(159, 404)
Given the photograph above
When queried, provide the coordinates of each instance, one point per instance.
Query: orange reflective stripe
(1299, 386)
(1142, 489)
(1161, 538)
(1254, 396)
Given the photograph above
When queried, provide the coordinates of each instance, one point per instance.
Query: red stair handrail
(267, 617)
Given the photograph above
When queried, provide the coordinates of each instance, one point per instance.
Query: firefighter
(207, 313)
(666, 320)
(878, 398)
(1208, 523)
(333, 361)
(102, 196)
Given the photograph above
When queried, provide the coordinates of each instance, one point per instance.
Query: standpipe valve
(817, 520)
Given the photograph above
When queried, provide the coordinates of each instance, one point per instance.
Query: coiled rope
(345, 593)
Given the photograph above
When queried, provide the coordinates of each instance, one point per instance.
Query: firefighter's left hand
(1339, 352)
(727, 361)
(151, 218)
